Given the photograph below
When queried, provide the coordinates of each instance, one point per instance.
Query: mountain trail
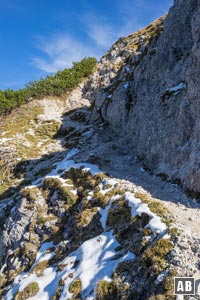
(101, 147)
(97, 145)
(119, 162)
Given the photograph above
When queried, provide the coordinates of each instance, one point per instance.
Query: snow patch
(41, 255)
(126, 85)
(105, 182)
(176, 89)
(4, 140)
(65, 165)
(137, 208)
(97, 261)
(104, 211)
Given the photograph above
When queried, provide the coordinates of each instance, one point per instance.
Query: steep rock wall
(146, 88)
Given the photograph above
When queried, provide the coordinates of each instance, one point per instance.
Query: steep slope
(149, 96)
(78, 214)
(69, 230)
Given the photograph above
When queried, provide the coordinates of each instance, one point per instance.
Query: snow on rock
(72, 153)
(137, 208)
(65, 165)
(47, 282)
(4, 140)
(94, 260)
(104, 212)
(156, 225)
(97, 261)
(126, 85)
(105, 182)
(41, 256)
(90, 195)
(176, 89)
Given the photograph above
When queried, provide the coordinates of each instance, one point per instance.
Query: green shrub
(54, 85)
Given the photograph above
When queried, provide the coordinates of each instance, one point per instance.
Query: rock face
(146, 89)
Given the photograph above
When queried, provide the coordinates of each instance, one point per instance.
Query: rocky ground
(98, 146)
(119, 162)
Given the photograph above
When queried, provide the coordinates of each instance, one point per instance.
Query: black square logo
(184, 286)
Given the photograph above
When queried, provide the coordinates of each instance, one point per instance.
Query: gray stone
(159, 124)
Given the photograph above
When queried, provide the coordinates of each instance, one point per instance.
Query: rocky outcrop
(146, 89)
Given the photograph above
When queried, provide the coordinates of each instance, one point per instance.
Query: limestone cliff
(146, 89)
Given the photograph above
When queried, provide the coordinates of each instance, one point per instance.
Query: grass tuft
(30, 290)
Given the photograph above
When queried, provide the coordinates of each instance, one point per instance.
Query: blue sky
(39, 37)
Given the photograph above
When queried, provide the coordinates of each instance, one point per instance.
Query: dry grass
(106, 290)
(40, 267)
(75, 287)
(156, 207)
(155, 259)
(31, 290)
